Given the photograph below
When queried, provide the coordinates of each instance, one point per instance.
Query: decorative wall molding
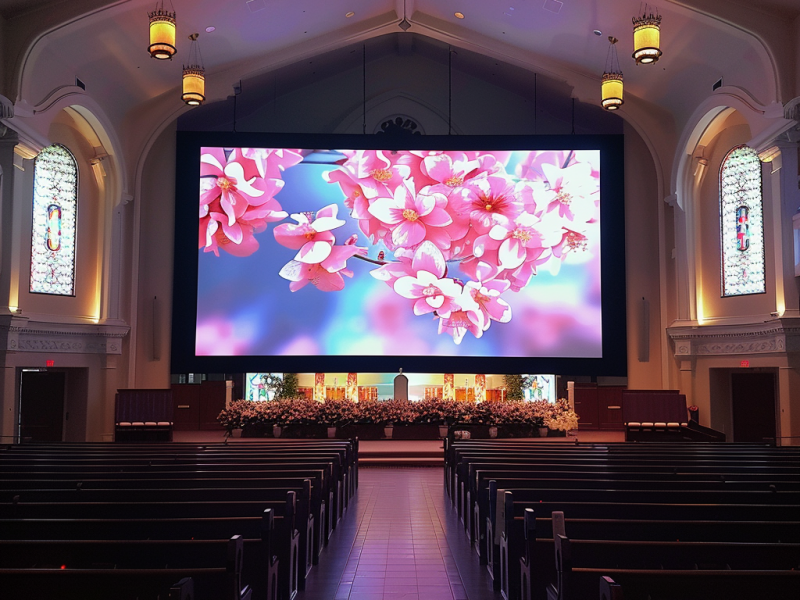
(769, 337)
(20, 334)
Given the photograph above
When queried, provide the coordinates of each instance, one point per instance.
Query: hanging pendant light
(194, 80)
(162, 32)
(611, 88)
(646, 37)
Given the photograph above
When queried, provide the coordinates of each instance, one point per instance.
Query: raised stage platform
(400, 453)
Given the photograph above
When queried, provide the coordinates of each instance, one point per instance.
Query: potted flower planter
(277, 430)
(543, 431)
(443, 430)
(492, 432)
(388, 430)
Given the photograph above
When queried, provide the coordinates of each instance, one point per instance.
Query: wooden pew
(611, 550)
(741, 464)
(64, 468)
(711, 481)
(218, 580)
(284, 540)
(331, 489)
(479, 498)
(173, 487)
(290, 504)
(507, 551)
(136, 465)
(578, 583)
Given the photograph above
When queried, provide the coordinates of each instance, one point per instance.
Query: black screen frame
(612, 223)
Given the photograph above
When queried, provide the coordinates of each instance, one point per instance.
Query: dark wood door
(609, 407)
(586, 406)
(41, 406)
(753, 406)
(198, 406)
(212, 401)
(186, 406)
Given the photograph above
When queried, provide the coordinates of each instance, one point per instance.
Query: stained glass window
(55, 203)
(741, 223)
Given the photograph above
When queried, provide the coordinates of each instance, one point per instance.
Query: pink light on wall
(351, 392)
(480, 387)
(449, 387)
(319, 387)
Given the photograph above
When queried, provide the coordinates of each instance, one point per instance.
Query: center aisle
(400, 540)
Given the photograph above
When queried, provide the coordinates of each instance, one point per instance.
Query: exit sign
(50, 363)
(744, 364)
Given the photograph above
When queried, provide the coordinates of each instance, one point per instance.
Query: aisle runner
(396, 545)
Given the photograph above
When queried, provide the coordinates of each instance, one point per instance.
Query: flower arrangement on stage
(455, 234)
(338, 413)
(561, 417)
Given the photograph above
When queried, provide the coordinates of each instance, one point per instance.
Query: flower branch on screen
(430, 210)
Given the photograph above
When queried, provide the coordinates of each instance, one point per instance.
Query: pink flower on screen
(519, 240)
(521, 276)
(234, 202)
(530, 167)
(428, 287)
(488, 198)
(271, 162)
(358, 203)
(312, 239)
(490, 163)
(412, 160)
(410, 216)
(374, 172)
(457, 324)
(325, 275)
(392, 271)
(533, 196)
(450, 170)
(571, 241)
(301, 274)
(574, 191)
(213, 237)
(490, 306)
(481, 270)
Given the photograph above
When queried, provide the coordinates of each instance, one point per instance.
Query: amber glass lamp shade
(194, 85)
(162, 34)
(646, 39)
(611, 91)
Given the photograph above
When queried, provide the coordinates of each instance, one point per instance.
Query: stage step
(401, 453)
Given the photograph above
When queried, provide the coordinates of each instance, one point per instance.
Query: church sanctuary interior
(484, 300)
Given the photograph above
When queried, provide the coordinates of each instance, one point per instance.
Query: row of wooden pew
(139, 521)
(659, 521)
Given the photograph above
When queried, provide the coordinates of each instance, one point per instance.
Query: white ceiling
(107, 50)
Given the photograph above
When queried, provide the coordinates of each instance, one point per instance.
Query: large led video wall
(423, 256)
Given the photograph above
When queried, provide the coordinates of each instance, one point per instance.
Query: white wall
(156, 235)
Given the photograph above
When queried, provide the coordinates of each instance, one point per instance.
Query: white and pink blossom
(412, 217)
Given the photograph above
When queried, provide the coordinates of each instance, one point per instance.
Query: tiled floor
(400, 540)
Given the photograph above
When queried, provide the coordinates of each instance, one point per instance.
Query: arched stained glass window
(741, 223)
(55, 203)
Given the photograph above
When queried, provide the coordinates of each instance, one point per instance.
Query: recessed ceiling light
(350, 14)
(459, 15)
(210, 28)
(597, 32)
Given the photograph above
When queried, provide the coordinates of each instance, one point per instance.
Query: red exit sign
(50, 363)
(744, 364)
